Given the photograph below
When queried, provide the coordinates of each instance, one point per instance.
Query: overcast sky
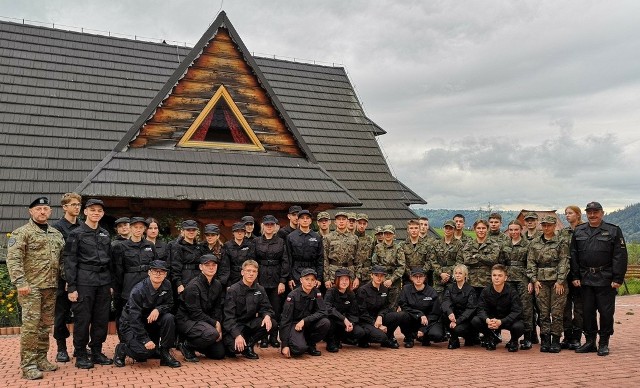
(520, 104)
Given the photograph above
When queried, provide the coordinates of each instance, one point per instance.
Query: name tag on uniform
(245, 249)
(162, 293)
(427, 298)
(257, 293)
(102, 234)
(147, 249)
(347, 302)
(383, 294)
(313, 239)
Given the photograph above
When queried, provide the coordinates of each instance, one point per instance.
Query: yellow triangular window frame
(221, 93)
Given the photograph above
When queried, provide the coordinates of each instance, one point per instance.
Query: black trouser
(251, 331)
(573, 310)
(601, 300)
(90, 317)
(161, 332)
(375, 335)
(310, 335)
(204, 338)
(464, 330)
(516, 328)
(62, 314)
(118, 304)
(410, 326)
(337, 331)
(276, 303)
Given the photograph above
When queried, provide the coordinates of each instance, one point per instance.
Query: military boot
(574, 342)
(32, 374)
(188, 353)
(100, 358)
(545, 343)
(249, 353)
(566, 339)
(273, 340)
(454, 343)
(313, 351)
(589, 345)
(83, 361)
(525, 343)
(167, 359)
(554, 346)
(264, 343)
(603, 345)
(534, 337)
(62, 355)
(119, 355)
(45, 366)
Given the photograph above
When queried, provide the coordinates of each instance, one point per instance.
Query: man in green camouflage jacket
(389, 255)
(340, 248)
(445, 257)
(366, 244)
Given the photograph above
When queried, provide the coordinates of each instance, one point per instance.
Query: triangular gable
(221, 125)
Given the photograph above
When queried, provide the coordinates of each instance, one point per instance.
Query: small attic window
(221, 125)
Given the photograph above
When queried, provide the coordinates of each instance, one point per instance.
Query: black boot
(273, 340)
(566, 339)
(545, 343)
(83, 361)
(100, 358)
(188, 353)
(62, 355)
(313, 351)
(574, 341)
(589, 345)
(603, 345)
(512, 346)
(408, 342)
(120, 355)
(167, 359)
(264, 343)
(554, 346)
(249, 353)
(525, 343)
(454, 343)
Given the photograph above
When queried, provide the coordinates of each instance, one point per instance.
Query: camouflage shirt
(392, 258)
(416, 255)
(499, 237)
(445, 258)
(366, 244)
(515, 256)
(339, 251)
(34, 257)
(479, 258)
(548, 259)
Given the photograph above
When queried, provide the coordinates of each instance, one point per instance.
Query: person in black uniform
(598, 265)
(420, 315)
(459, 306)
(185, 256)
(123, 230)
(304, 248)
(293, 222)
(153, 229)
(271, 254)
(249, 226)
(146, 322)
(88, 270)
(377, 315)
(234, 253)
(212, 244)
(304, 320)
(247, 313)
(343, 312)
(499, 308)
(131, 260)
(199, 318)
(71, 203)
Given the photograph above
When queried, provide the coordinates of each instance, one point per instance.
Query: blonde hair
(67, 197)
(463, 268)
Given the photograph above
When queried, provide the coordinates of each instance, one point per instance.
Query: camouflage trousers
(551, 308)
(37, 318)
(394, 293)
(527, 303)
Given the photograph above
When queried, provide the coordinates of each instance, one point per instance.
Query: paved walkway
(351, 367)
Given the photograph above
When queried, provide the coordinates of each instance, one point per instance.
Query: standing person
(459, 305)
(351, 222)
(293, 222)
(499, 309)
(598, 265)
(343, 312)
(445, 255)
(71, 204)
(531, 225)
(417, 252)
(33, 260)
(424, 228)
(131, 259)
(249, 226)
(495, 232)
(304, 320)
(122, 229)
(480, 255)
(515, 255)
(146, 322)
(153, 230)
(234, 253)
(324, 223)
(366, 244)
(199, 318)
(185, 256)
(212, 244)
(547, 267)
(390, 256)
(378, 235)
(420, 315)
(458, 234)
(340, 248)
(248, 316)
(88, 268)
(573, 309)
(304, 249)
(271, 255)
(378, 317)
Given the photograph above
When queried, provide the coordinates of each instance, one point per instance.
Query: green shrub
(9, 307)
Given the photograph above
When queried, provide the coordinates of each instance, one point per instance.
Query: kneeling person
(420, 311)
(146, 321)
(343, 312)
(247, 313)
(199, 318)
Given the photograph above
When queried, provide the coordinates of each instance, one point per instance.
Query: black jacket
(87, 258)
(298, 306)
(420, 303)
(305, 251)
(285, 231)
(271, 255)
(65, 227)
(200, 302)
(460, 301)
(341, 305)
(373, 302)
(598, 255)
(504, 305)
(131, 262)
(242, 305)
(162, 250)
(142, 300)
(233, 255)
(184, 259)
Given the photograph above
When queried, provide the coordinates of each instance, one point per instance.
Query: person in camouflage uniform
(366, 244)
(548, 266)
(416, 252)
(573, 309)
(445, 257)
(531, 226)
(34, 259)
(324, 223)
(351, 225)
(424, 228)
(495, 223)
(479, 255)
(458, 234)
(390, 256)
(340, 249)
(515, 255)
(378, 235)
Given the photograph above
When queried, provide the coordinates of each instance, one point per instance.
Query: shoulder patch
(11, 242)
(288, 299)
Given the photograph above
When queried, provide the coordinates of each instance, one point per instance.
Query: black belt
(189, 266)
(140, 268)
(269, 262)
(596, 269)
(93, 268)
(304, 263)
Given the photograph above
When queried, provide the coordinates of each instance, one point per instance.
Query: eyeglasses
(158, 272)
(73, 204)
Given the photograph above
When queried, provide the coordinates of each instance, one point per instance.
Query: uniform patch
(245, 249)
(319, 295)
(288, 299)
(147, 249)
(162, 293)
(383, 294)
(103, 234)
(427, 298)
(11, 242)
(313, 239)
(257, 293)
(621, 241)
(347, 302)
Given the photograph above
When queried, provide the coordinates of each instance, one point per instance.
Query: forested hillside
(628, 219)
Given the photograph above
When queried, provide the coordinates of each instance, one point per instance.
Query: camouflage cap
(323, 216)
(362, 216)
(450, 223)
(531, 215)
(389, 228)
(379, 229)
(341, 214)
(548, 220)
(351, 216)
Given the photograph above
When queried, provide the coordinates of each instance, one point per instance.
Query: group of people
(291, 287)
